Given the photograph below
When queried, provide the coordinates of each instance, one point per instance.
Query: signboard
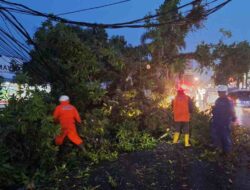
(6, 91)
(9, 67)
(3, 98)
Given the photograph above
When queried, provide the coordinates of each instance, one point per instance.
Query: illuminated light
(239, 115)
(196, 78)
(197, 104)
(183, 86)
(148, 66)
(238, 111)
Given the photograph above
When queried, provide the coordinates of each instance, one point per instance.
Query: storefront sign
(9, 67)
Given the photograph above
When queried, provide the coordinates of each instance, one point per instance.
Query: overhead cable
(93, 8)
(130, 24)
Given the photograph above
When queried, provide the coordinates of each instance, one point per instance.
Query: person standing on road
(66, 114)
(223, 116)
(182, 108)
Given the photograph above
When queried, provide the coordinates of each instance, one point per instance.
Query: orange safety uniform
(181, 108)
(66, 115)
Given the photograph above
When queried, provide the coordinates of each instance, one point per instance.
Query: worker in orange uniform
(182, 108)
(66, 114)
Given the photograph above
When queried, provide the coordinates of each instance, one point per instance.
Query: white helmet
(63, 98)
(222, 88)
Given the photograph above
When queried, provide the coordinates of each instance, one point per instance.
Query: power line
(8, 48)
(137, 23)
(10, 36)
(14, 42)
(19, 27)
(145, 22)
(130, 24)
(93, 8)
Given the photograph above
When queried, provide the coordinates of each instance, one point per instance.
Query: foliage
(156, 122)
(130, 139)
(200, 128)
(73, 61)
(241, 139)
(165, 42)
(26, 131)
(229, 62)
(120, 91)
(203, 55)
(105, 138)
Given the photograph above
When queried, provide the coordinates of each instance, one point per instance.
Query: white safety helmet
(222, 88)
(63, 98)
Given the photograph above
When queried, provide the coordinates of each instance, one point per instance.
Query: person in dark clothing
(223, 116)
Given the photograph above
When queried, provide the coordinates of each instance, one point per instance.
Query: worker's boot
(176, 138)
(186, 140)
(81, 146)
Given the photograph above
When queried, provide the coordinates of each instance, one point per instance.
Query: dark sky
(234, 17)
